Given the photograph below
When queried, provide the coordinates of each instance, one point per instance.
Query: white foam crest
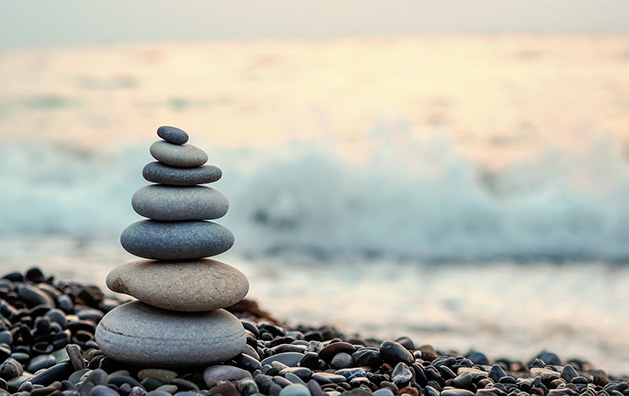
(413, 198)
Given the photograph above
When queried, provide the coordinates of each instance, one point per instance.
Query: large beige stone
(198, 285)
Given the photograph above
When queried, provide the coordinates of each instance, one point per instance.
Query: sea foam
(410, 198)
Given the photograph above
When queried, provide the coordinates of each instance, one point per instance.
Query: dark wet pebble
(328, 378)
(367, 357)
(184, 385)
(315, 388)
(162, 393)
(39, 362)
(303, 373)
(32, 296)
(43, 391)
(5, 352)
(288, 358)
(496, 372)
(309, 360)
(478, 358)
(394, 353)
(328, 352)
(6, 337)
(118, 380)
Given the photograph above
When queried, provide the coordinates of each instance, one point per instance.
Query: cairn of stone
(179, 318)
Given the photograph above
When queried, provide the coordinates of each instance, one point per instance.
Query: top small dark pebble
(172, 135)
(47, 348)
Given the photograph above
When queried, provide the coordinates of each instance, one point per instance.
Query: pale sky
(80, 22)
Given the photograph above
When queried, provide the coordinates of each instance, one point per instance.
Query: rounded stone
(295, 390)
(172, 135)
(179, 155)
(224, 372)
(139, 334)
(159, 173)
(179, 240)
(168, 203)
(199, 285)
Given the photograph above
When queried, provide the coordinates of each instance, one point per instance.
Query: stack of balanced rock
(178, 320)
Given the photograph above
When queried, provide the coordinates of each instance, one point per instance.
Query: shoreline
(49, 350)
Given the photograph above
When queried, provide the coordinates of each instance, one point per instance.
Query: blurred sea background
(463, 181)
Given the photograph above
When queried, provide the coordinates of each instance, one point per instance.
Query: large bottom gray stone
(198, 285)
(176, 240)
(139, 334)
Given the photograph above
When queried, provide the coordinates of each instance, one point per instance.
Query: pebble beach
(47, 347)
(448, 189)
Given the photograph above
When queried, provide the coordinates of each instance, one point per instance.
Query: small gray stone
(139, 334)
(401, 374)
(172, 135)
(74, 353)
(177, 240)
(341, 360)
(199, 285)
(102, 390)
(295, 390)
(223, 372)
(159, 173)
(383, 392)
(180, 156)
(160, 202)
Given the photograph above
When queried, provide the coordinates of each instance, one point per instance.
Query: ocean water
(467, 191)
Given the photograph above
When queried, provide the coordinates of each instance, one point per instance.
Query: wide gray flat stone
(170, 203)
(172, 135)
(199, 285)
(159, 173)
(176, 240)
(139, 334)
(179, 155)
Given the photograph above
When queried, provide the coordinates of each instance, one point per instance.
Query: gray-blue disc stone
(176, 240)
(178, 155)
(139, 334)
(159, 173)
(171, 203)
(172, 135)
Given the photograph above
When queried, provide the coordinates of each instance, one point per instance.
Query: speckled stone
(139, 334)
(159, 173)
(177, 240)
(159, 202)
(172, 135)
(179, 155)
(199, 285)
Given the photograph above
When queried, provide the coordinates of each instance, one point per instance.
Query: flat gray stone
(170, 203)
(139, 334)
(224, 372)
(199, 285)
(176, 240)
(179, 155)
(159, 173)
(172, 135)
